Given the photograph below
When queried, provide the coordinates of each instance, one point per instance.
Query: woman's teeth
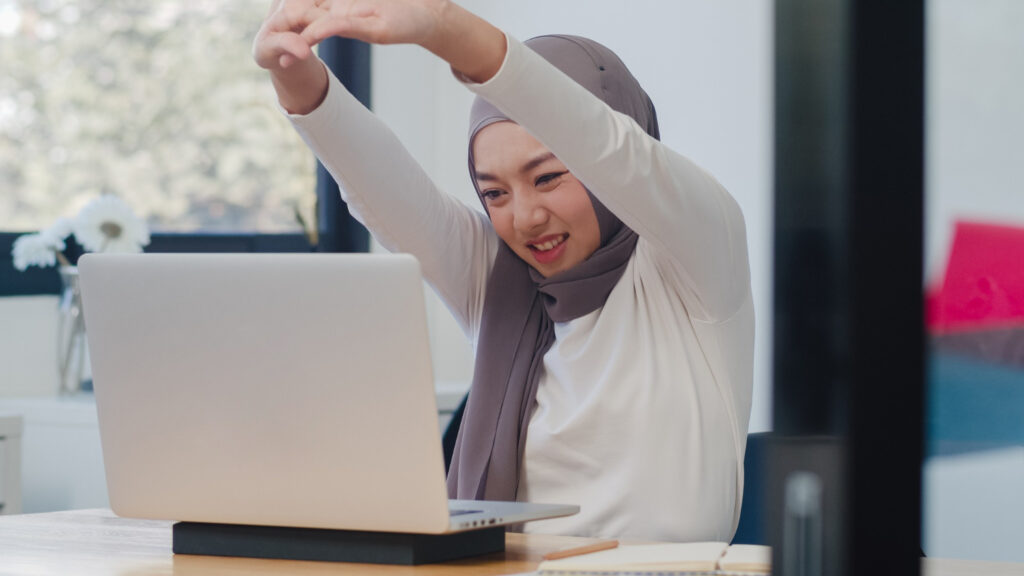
(549, 244)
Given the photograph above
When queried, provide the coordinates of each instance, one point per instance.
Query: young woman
(606, 288)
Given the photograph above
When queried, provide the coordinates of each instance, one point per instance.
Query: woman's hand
(299, 79)
(377, 21)
(278, 44)
(471, 45)
(293, 27)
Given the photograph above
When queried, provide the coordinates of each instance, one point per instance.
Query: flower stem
(62, 259)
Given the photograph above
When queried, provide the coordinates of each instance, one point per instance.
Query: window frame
(337, 230)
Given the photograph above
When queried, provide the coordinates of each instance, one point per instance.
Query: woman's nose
(530, 213)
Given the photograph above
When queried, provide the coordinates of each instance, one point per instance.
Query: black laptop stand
(333, 545)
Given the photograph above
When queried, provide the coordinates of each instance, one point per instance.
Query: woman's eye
(490, 195)
(548, 178)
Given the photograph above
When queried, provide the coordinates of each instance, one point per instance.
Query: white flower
(107, 224)
(60, 229)
(35, 250)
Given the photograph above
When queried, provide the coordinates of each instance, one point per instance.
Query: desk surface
(95, 542)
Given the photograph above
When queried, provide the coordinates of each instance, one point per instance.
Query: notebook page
(747, 558)
(691, 557)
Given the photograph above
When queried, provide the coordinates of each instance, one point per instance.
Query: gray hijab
(521, 306)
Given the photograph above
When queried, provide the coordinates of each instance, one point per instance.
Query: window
(160, 103)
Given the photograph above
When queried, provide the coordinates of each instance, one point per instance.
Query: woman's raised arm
(384, 186)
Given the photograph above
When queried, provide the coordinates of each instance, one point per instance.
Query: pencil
(606, 545)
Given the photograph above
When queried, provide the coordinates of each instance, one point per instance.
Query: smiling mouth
(549, 244)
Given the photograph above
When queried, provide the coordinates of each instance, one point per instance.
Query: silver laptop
(278, 390)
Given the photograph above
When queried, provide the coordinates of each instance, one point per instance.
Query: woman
(607, 287)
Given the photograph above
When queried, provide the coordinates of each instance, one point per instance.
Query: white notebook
(666, 559)
(747, 558)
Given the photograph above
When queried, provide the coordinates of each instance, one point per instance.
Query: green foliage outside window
(155, 101)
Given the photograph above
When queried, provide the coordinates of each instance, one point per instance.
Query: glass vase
(71, 342)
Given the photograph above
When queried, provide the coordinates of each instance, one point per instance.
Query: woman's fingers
(326, 25)
(281, 49)
(374, 21)
(292, 47)
(325, 18)
(278, 43)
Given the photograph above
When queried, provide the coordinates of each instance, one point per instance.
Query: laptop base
(333, 545)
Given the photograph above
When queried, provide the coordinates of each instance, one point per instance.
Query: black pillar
(849, 328)
(338, 230)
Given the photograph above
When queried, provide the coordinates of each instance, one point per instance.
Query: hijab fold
(521, 307)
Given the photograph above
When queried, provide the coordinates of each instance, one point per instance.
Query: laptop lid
(291, 390)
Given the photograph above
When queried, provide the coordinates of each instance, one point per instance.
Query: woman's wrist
(472, 46)
(301, 87)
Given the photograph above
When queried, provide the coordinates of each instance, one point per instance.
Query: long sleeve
(388, 191)
(691, 224)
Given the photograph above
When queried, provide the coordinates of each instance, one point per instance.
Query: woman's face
(536, 206)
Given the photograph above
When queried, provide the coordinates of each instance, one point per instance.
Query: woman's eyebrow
(540, 159)
(536, 162)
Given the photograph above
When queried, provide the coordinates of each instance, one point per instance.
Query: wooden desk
(95, 542)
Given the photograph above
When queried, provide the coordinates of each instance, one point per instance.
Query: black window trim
(338, 231)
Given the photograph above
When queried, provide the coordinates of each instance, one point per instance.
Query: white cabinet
(61, 458)
(10, 463)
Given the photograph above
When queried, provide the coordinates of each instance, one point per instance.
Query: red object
(984, 283)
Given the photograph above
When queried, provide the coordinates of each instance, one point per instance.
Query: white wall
(973, 506)
(974, 153)
(28, 346)
(706, 66)
(975, 117)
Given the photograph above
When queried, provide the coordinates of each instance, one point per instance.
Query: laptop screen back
(266, 389)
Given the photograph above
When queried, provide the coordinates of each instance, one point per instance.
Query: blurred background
(160, 103)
